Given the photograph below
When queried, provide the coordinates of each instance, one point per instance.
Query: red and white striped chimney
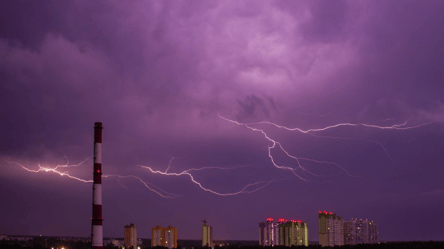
(96, 229)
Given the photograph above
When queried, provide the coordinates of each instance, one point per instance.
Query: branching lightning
(169, 164)
(270, 148)
(299, 170)
(149, 186)
(56, 170)
(393, 127)
(249, 188)
(311, 132)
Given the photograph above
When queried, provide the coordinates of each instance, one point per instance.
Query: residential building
(331, 230)
(373, 233)
(157, 237)
(130, 236)
(349, 233)
(170, 237)
(359, 231)
(269, 232)
(166, 237)
(207, 234)
(293, 233)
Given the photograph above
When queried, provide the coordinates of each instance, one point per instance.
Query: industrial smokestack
(96, 229)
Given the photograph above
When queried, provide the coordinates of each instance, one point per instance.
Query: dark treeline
(390, 245)
(48, 243)
(44, 243)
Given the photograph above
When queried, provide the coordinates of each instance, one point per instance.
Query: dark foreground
(53, 243)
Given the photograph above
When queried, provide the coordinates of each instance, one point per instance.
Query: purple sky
(158, 73)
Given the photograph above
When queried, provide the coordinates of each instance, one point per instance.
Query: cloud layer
(158, 74)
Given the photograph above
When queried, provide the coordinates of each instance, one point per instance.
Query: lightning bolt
(54, 170)
(398, 127)
(277, 144)
(57, 170)
(249, 188)
(393, 127)
(149, 186)
(299, 171)
(169, 164)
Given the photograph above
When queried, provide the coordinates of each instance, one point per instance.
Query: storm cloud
(160, 74)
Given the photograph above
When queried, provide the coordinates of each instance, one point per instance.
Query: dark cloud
(158, 74)
(327, 22)
(251, 105)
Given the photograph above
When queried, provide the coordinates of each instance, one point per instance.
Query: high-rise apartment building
(359, 231)
(170, 237)
(331, 230)
(349, 233)
(166, 237)
(207, 235)
(293, 233)
(130, 236)
(373, 233)
(157, 237)
(268, 233)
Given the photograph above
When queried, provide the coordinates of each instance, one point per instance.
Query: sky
(228, 111)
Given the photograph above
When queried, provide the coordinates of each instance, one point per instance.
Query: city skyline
(230, 111)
